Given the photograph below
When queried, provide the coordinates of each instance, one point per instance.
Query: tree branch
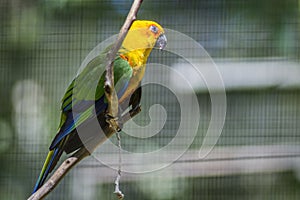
(70, 162)
(112, 112)
(59, 174)
(110, 93)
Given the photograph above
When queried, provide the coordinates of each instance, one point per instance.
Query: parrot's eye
(154, 29)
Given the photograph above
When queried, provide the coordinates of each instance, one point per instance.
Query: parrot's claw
(113, 122)
(135, 110)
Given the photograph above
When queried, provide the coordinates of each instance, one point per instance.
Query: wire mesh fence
(43, 43)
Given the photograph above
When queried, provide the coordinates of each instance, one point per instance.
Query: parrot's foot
(114, 122)
(135, 110)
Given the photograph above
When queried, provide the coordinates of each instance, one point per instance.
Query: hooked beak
(161, 42)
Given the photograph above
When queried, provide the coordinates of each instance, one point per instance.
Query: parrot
(81, 102)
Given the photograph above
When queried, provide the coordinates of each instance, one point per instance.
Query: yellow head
(142, 37)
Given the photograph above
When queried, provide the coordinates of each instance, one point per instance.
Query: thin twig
(112, 99)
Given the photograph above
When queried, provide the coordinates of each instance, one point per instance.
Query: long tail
(50, 162)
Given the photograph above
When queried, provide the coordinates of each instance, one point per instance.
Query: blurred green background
(43, 42)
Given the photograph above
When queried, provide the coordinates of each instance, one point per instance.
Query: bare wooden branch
(70, 162)
(110, 93)
(112, 114)
(59, 174)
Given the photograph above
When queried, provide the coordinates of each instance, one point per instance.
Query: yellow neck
(136, 58)
(137, 45)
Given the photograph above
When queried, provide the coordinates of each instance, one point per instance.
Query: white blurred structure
(238, 74)
(221, 161)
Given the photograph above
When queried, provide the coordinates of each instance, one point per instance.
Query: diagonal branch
(113, 105)
(59, 174)
(70, 162)
(110, 92)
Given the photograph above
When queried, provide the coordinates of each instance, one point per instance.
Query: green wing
(86, 94)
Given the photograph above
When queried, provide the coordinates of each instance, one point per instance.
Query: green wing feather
(86, 89)
(82, 93)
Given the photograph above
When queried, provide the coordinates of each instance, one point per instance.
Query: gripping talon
(113, 122)
(135, 110)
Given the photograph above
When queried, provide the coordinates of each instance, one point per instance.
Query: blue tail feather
(49, 164)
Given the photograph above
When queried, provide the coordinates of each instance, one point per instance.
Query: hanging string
(117, 191)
